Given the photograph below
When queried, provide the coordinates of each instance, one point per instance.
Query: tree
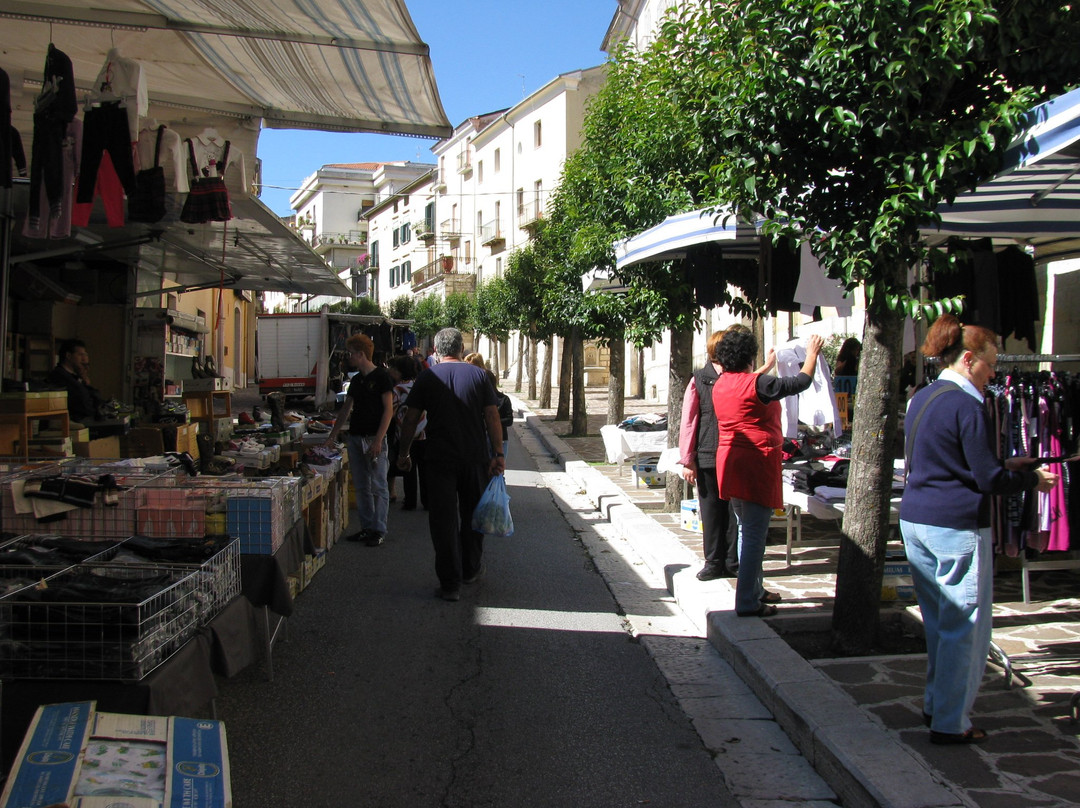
(400, 308)
(428, 316)
(848, 123)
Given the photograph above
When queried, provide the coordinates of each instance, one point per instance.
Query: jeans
(369, 480)
(453, 491)
(753, 531)
(953, 575)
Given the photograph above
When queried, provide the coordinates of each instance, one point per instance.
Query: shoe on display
(197, 368)
(245, 419)
(210, 368)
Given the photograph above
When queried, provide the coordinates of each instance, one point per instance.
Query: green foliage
(854, 120)
(400, 308)
(428, 316)
(495, 310)
(360, 305)
(459, 311)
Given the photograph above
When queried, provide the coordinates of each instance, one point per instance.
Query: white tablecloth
(621, 445)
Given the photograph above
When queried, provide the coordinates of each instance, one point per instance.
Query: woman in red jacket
(749, 452)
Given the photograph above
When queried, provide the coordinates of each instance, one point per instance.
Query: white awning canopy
(1035, 198)
(346, 65)
(671, 238)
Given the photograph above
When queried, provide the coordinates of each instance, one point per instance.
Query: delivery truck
(303, 355)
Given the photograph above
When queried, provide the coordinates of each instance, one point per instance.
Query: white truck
(303, 355)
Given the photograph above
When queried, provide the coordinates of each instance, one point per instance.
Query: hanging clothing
(815, 289)
(121, 81)
(208, 200)
(1017, 284)
(54, 108)
(816, 405)
(778, 276)
(105, 129)
(109, 190)
(43, 225)
(11, 147)
(171, 157)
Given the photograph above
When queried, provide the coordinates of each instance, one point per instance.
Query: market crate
(216, 576)
(690, 517)
(94, 621)
(170, 512)
(45, 401)
(261, 512)
(645, 471)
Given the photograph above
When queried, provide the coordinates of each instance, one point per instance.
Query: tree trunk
(566, 375)
(579, 420)
(616, 405)
(680, 366)
(866, 512)
(640, 372)
(533, 344)
(545, 380)
(493, 363)
(520, 362)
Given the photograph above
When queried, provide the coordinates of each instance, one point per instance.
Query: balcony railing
(529, 214)
(450, 229)
(490, 233)
(430, 273)
(351, 238)
(464, 162)
(424, 229)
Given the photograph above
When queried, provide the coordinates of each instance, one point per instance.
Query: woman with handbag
(952, 471)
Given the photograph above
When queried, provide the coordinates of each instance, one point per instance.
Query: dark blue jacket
(953, 468)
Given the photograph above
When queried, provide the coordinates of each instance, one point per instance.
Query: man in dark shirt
(72, 374)
(368, 409)
(463, 449)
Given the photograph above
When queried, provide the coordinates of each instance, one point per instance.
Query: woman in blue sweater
(952, 470)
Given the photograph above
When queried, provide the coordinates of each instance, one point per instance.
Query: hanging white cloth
(814, 406)
(122, 80)
(814, 289)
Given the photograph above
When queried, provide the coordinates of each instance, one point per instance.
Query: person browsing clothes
(368, 410)
(463, 451)
(952, 471)
(748, 455)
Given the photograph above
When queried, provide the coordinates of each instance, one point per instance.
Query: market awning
(675, 235)
(1035, 198)
(346, 65)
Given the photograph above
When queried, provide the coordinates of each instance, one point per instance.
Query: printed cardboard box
(72, 751)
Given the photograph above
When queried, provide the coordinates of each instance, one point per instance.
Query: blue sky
(487, 54)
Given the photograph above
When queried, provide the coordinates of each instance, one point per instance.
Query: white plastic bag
(492, 514)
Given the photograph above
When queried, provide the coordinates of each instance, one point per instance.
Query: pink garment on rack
(1058, 506)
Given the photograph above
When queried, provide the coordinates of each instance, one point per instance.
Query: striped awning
(671, 238)
(1035, 199)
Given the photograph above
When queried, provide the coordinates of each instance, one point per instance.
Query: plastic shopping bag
(492, 514)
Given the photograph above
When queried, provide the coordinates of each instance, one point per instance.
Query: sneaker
(452, 595)
(360, 535)
(373, 539)
(472, 579)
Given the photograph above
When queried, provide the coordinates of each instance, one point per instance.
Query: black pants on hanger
(105, 128)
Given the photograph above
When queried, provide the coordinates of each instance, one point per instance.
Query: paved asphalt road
(527, 692)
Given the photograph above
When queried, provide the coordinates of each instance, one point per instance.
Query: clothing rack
(1026, 566)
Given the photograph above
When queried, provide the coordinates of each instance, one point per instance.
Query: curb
(863, 763)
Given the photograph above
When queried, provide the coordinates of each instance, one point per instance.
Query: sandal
(973, 735)
(764, 610)
(771, 597)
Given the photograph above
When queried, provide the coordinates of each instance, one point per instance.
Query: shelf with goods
(35, 424)
(166, 342)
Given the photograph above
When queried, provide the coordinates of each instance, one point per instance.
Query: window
(479, 221)
(406, 233)
(429, 216)
(497, 161)
(521, 201)
(480, 172)
(468, 252)
(393, 276)
(406, 272)
(498, 267)
(397, 237)
(538, 135)
(374, 255)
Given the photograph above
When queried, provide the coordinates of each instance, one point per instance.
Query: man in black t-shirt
(463, 449)
(368, 409)
(71, 374)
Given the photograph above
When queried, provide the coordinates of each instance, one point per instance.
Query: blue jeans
(753, 531)
(953, 574)
(369, 480)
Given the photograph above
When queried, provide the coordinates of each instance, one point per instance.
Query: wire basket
(89, 622)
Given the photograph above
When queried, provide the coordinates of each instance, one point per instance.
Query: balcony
(464, 162)
(450, 230)
(324, 242)
(430, 274)
(439, 186)
(424, 229)
(491, 235)
(529, 215)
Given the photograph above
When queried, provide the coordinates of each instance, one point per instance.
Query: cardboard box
(46, 401)
(100, 447)
(207, 385)
(690, 518)
(56, 762)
